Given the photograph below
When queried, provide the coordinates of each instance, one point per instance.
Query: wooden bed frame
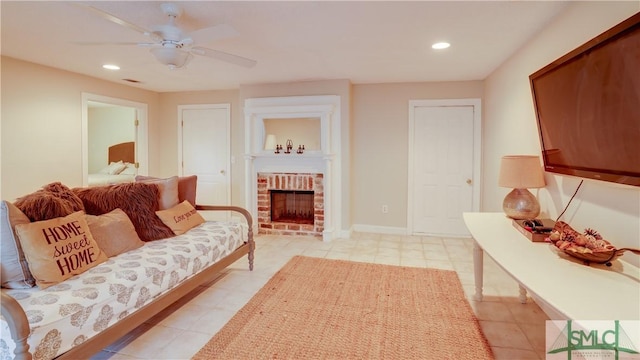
(125, 152)
(19, 325)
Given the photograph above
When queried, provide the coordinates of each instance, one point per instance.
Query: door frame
(141, 131)
(477, 150)
(225, 106)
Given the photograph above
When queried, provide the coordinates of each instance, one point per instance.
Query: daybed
(82, 314)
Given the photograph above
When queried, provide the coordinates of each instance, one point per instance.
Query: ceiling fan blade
(90, 43)
(186, 41)
(220, 55)
(116, 20)
(213, 33)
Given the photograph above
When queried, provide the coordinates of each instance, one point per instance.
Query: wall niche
(301, 131)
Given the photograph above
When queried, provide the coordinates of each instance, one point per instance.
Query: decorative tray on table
(589, 247)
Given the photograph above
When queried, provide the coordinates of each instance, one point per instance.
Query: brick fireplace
(317, 170)
(286, 186)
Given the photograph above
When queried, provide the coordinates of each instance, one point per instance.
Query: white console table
(567, 288)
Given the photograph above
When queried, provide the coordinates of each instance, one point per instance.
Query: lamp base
(520, 204)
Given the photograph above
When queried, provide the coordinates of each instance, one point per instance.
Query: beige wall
(510, 128)
(379, 142)
(41, 112)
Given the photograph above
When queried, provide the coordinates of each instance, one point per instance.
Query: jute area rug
(333, 309)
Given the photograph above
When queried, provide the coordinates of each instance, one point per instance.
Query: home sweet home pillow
(59, 248)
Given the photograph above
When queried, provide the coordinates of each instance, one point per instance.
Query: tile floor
(515, 331)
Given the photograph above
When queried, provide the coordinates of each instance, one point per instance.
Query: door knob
(469, 181)
(222, 172)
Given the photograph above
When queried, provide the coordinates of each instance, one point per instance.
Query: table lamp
(521, 172)
(270, 142)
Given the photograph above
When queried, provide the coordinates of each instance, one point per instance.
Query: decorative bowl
(589, 247)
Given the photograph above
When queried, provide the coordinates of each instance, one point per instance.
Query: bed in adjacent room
(121, 168)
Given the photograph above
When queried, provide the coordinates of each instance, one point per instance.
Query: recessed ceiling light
(440, 45)
(111, 67)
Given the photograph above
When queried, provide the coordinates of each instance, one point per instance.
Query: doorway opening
(89, 141)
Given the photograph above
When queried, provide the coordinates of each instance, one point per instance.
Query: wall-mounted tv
(587, 106)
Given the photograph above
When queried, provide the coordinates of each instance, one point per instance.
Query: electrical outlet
(385, 209)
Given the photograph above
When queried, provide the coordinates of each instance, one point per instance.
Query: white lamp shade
(270, 142)
(521, 172)
(172, 57)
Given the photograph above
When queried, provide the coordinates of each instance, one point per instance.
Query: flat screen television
(587, 106)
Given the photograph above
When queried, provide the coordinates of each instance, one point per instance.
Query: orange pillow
(114, 232)
(59, 248)
(187, 188)
(181, 217)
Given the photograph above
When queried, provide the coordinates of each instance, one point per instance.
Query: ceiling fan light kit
(172, 57)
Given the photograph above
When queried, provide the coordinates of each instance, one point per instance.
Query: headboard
(124, 151)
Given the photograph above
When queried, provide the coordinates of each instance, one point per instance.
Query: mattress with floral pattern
(68, 313)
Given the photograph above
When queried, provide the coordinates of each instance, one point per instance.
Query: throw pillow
(187, 186)
(52, 201)
(187, 189)
(168, 190)
(130, 169)
(14, 269)
(60, 248)
(63, 192)
(138, 200)
(114, 168)
(181, 217)
(114, 232)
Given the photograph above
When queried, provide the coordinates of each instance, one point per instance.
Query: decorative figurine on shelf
(289, 146)
(300, 149)
(278, 148)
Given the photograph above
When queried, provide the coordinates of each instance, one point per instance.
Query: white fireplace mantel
(325, 161)
(279, 163)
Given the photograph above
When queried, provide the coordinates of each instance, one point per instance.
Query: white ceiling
(363, 41)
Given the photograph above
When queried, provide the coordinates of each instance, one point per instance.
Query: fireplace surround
(322, 165)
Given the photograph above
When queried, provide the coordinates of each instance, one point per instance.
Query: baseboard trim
(379, 229)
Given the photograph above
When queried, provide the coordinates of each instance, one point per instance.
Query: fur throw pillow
(52, 201)
(138, 200)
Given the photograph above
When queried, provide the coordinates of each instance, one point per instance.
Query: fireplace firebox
(292, 206)
(290, 203)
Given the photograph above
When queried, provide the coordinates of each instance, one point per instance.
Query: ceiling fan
(171, 45)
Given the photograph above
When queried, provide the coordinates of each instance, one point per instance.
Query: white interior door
(443, 168)
(205, 152)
